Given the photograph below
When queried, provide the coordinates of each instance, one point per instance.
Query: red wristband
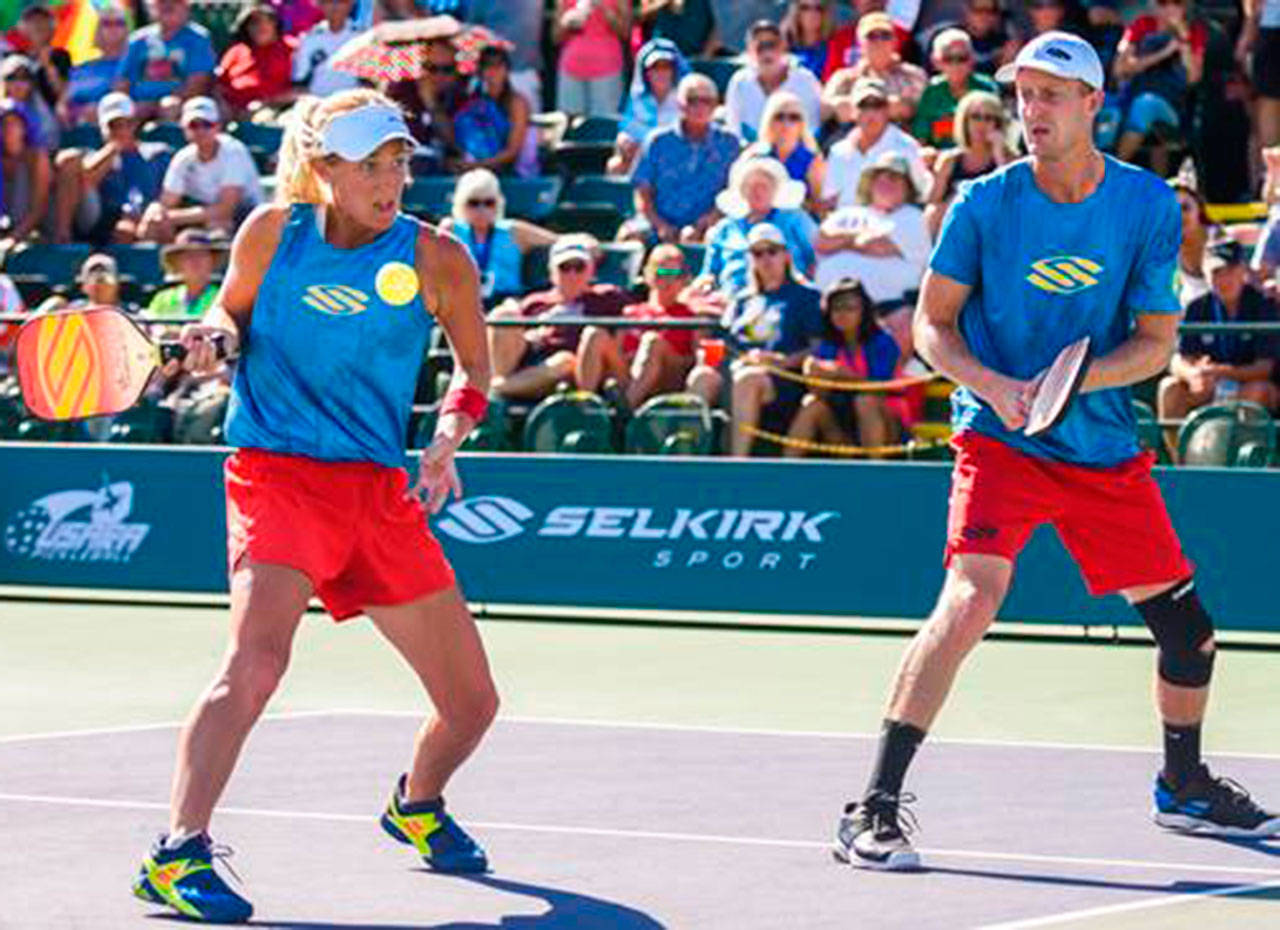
(466, 399)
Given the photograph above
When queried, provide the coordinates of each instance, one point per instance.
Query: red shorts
(347, 526)
(1112, 520)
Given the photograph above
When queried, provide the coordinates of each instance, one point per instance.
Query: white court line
(644, 725)
(1053, 920)
(612, 833)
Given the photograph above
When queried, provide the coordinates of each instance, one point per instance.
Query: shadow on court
(1069, 881)
(1262, 847)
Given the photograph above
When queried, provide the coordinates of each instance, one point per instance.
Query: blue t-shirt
(90, 81)
(786, 320)
(154, 67)
(726, 258)
(139, 179)
(1044, 274)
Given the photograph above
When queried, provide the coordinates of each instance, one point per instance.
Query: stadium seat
(258, 136)
(218, 16)
(82, 136)
(620, 263)
(719, 70)
(531, 198)
(602, 188)
(140, 261)
(598, 128)
(147, 422)
(577, 158)
(1148, 428)
(58, 264)
(1236, 434)
(168, 133)
(533, 269)
(671, 424)
(599, 219)
(573, 421)
(695, 254)
(431, 197)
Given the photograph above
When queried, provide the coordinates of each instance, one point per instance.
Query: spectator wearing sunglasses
(934, 123)
(211, 182)
(785, 135)
(982, 146)
(873, 136)
(878, 60)
(652, 102)
(769, 69)
(171, 58)
(429, 103)
(681, 170)
(497, 244)
(18, 85)
(311, 69)
(643, 363)
(529, 362)
(774, 322)
(592, 37)
(1159, 61)
(91, 80)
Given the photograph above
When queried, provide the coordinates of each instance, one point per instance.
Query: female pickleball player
(329, 297)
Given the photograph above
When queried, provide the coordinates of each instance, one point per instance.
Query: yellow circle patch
(397, 283)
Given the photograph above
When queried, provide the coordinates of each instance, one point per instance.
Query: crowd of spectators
(791, 165)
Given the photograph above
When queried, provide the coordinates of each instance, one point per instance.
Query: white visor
(356, 134)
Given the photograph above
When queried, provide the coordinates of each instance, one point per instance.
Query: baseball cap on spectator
(656, 54)
(874, 21)
(580, 246)
(887, 163)
(99, 265)
(36, 9)
(761, 26)
(842, 287)
(789, 196)
(114, 106)
(17, 63)
(766, 233)
(868, 88)
(949, 37)
(1222, 251)
(200, 108)
(1061, 54)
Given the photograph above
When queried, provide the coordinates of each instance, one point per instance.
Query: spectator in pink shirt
(591, 36)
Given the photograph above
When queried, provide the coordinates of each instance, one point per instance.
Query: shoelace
(223, 854)
(1230, 790)
(894, 813)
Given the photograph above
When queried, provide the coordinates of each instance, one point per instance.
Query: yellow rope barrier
(847, 451)
(826, 384)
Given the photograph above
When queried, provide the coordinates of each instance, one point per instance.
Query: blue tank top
(331, 358)
(499, 259)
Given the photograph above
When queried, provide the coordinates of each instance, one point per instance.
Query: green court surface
(689, 720)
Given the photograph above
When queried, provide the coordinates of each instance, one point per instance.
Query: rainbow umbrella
(393, 51)
(471, 41)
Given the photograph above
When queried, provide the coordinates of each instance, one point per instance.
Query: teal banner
(760, 537)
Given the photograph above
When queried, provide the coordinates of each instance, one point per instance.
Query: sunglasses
(983, 10)
(956, 59)
(573, 266)
(767, 251)
(879, 35)
(810, 8)
(985, 118)
(20, 76)
(768, 46)
(846, 305)
(486, 202)
(113, 23)
(696, 101)
(430, 68)
(199, 124)
(669, 272)
(788, 118)
(872, 103)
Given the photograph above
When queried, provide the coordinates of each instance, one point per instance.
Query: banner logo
(1065, 274)
(78, 526)
(484, 519)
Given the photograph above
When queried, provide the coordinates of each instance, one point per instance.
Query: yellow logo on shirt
(336, 299)
(1064, 274)
(396, 283)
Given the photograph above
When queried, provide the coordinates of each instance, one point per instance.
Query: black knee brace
(1181, 626)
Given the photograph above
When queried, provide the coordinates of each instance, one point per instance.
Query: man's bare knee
(251, 676)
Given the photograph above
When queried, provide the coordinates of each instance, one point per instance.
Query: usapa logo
(78, 526)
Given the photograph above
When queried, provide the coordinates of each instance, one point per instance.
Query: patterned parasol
(471, 41)
(393, 51)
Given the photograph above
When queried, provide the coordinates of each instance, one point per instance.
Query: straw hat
(193, 240)
(891, 163)
(789, 196)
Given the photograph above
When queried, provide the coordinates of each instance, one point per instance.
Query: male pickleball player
(1064, 244)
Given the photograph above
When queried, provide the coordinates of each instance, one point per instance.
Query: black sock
(898, 745)
(1181, 753)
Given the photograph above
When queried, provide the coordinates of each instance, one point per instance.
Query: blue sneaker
(1211, 806)
(443, 845)
(184, 879)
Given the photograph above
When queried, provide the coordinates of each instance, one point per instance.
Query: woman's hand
(437, 475)
(203, 355)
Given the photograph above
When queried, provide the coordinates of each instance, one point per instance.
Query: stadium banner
(859, 539)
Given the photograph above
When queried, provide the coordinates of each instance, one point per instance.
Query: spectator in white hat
(873, 136)
(212, 182)
(100, 195)
(759, 191)
(954, 59)
(774, 323)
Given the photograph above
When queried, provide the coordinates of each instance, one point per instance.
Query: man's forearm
(1138, 358)
(946, 351)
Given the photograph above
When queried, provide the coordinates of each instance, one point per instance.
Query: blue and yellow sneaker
(183, 878)
(1211, 806)
(425, 825)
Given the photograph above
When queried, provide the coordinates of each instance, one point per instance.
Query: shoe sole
(1194, 826)
(895, 862)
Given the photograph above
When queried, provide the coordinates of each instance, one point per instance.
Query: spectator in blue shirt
(171, 58)
(773, 323)
(759, 191)
(100, 195)
(652, 102)
(681, 169)
(92, 80)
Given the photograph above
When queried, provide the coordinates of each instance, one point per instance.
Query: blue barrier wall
(860, 539)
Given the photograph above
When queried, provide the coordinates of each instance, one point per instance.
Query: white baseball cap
(766, 232)
(1061, 54)
(114, 106)
(356, 134)
(200, 108)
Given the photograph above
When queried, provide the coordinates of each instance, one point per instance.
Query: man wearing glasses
(680, 170)
(953, 59)
(874, 136)
(878, 58)
(768, 69)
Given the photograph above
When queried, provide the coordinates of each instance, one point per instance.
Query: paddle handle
(176, 352)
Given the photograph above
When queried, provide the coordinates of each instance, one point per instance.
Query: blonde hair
(296, 178)
(974, 101)
(777, 100)
(477, 181)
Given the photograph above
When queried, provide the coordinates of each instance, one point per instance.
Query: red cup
(711, 352)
